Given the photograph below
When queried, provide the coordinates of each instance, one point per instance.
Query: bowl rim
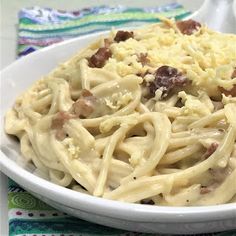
(112, 208)
(105, 207)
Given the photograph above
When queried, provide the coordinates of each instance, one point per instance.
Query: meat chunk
(84, 106)
(167, 77)
(123, 35)
(211, 150)
(99, 59)
(227, 93)
(143, 59)
(59, 120)
(188, 26)
(232, 91)
(57, 123)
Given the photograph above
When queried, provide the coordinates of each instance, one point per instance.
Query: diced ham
(231, 92)
(188, 26)
(57, 123)
(167, 78)
(59, 120)
(84, 106)
(123, 35)
(99, 59)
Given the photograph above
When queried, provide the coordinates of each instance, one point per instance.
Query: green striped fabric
(40, 27)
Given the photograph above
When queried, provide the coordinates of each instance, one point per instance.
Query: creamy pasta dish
(145, 116)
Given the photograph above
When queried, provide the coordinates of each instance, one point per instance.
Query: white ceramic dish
(177, 220)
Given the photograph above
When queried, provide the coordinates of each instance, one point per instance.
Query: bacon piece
(167, 77)
(143, 59)
(188, 26)
(60, 118)
(84, 106)
(84, 103)
(57, 123)
(99, 59)
(123, 35)
(211, 150)
(227, 93)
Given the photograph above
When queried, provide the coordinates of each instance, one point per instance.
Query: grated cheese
(199, 55)
(72, 148)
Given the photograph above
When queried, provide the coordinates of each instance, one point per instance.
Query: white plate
(19, 76)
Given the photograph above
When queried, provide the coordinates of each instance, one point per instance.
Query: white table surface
(8, 21)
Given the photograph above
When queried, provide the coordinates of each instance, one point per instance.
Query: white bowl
(153, 219)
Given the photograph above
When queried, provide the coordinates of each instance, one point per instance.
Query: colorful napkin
(40, 27)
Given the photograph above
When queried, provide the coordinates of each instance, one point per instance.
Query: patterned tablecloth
(40, 27)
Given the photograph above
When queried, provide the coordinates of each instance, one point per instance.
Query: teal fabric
(28, 216)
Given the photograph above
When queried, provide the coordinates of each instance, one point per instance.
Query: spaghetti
(145, 116)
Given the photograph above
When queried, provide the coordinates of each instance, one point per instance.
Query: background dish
(116, 214)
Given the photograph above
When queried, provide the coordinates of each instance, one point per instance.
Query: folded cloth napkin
(40, 27)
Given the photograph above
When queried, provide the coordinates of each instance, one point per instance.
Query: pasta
(145, 116)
